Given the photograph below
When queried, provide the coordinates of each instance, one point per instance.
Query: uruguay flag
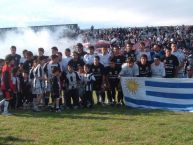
(158, 93)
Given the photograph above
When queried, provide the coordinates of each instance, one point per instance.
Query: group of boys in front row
(70, 81)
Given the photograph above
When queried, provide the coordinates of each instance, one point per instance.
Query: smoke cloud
(26, 38)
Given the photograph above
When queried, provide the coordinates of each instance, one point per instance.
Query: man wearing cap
(157, 67)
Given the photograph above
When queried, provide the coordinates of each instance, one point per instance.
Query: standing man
(7, 84)
(171, 64)
(16, 57)
(80, 50)
(181, 59)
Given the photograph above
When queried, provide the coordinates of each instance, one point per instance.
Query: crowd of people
(68, 79)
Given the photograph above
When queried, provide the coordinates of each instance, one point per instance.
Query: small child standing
(81, 86)
(56, 87)
(71, 81)
(26, 90)
(88, 79)
(38, 82)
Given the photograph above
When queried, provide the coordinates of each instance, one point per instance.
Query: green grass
(100, 126)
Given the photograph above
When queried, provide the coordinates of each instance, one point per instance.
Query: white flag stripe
(171, 90)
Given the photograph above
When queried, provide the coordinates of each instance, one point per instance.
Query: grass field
(100, 125)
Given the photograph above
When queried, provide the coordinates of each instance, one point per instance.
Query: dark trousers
(27, 97)
(72, 94)
(111, 93)
(100, 93)
(17, 101)
(87, 99)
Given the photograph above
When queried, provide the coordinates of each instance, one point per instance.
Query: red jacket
(6, 79)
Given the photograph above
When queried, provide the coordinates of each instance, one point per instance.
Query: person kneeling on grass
(6, 84)
(56, 87)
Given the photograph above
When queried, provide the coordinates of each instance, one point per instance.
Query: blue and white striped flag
(158, 93)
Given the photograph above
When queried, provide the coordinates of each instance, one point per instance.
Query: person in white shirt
(24, 58)
(104, 57)
(89, 57)
(142, 50)
(66, 59)
(157, 68)
(129, 69)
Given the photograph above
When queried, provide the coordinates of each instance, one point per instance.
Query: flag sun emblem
(132, 86)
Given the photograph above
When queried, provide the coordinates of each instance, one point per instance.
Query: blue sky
(100, 13)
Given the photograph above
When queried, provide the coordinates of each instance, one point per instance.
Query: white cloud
(107, 12)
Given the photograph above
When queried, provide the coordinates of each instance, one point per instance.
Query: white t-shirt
(22, 60)
(158, 70)
(88, 58)
(129, 71)
(65, 61)
(104, 59)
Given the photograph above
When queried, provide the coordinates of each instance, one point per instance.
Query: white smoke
(26, 38)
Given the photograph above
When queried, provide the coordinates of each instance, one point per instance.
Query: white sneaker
(6, 113)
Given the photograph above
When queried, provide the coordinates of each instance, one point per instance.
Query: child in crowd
(81, 86)
(56, 88)
(31, 80)
(38, 82)
(88, 79)
(17, 98)
(71, 80)
(26, 90)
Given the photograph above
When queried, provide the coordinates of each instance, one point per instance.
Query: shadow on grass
(98, 113)
(12, 140)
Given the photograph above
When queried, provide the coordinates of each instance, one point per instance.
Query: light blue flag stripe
(158, 104)
(168, 84)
